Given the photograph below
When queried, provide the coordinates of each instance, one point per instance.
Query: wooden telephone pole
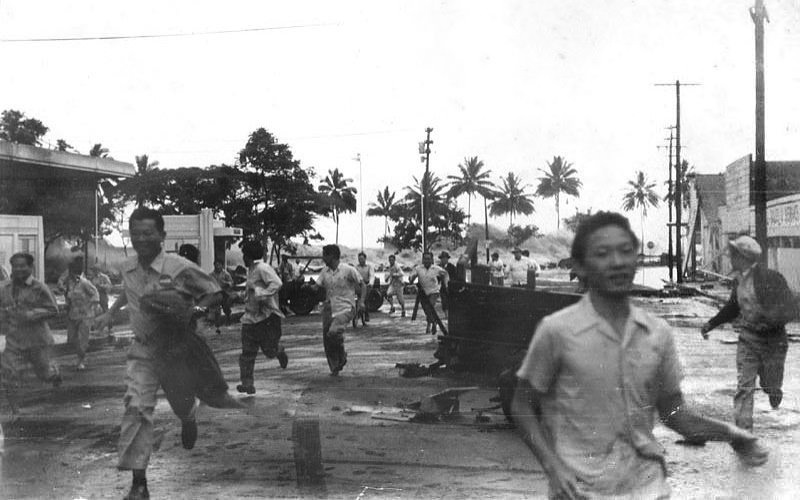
(759, 188)
(678, 177)
(425, 179)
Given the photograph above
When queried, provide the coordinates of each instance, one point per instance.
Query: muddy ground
(63, 444)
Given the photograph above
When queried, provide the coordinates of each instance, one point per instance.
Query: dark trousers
(226, 308)
(264, 335)
(762, 357)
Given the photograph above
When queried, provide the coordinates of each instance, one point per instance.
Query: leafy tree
(383, 209)
(98, 151)
(641, 194)
(340, 195)
(572, 222)
(16, 127)
(511, 199)
(471, 180)
(143, 168)
(520, 234)
(560, 179)
(445, 219)
(62, 145)
(277, 201)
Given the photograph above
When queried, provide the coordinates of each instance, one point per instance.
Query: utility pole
(678, 178)
(670, 254)
(427, 151)
(360, 198)
(759, 189)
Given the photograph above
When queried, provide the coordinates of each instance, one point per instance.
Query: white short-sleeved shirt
(518, 270)
(599, 392)
(340, 287)
(167, 271)
(261, 293)
(429, 278)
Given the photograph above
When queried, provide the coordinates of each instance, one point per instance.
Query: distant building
(31, 179)
(706, 196)
(736, 215)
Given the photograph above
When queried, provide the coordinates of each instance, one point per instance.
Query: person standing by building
(518, 268)
(429, 276)
(497, 270)
(394, 276)
(83, 304)
(367, 272)
(151, 270)
(763, 303)
(452, 274)
(25, 306)
(595, 374)
(261, 322)
(225, 282)
(342, 284)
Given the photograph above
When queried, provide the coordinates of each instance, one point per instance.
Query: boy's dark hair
(143, 213)
(427, 253)
(253, 249)
(332, 250)
(75, 266)
(362, 253)
(495, 254)
(22, 255)
(189, 252)
(594, 222)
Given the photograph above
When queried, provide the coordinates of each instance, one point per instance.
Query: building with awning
(58, 186)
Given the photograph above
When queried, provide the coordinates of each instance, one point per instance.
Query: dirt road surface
(63, 443)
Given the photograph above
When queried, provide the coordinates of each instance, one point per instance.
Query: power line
(162, 35)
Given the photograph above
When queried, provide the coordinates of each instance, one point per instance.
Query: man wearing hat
(763, 304)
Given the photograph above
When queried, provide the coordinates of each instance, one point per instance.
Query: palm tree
(341, 197)
(560, 179)
(143, 167)
(641, 194)
(383, 208)
(511, 199)
(470, 181)
(98, 151)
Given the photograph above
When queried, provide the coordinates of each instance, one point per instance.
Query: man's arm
(527, 412)
(106, 319)
(45, 307)
(361, 291)
(729, 312)
(699, 429)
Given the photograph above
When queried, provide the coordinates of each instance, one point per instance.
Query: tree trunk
(641, 222)
(336, 220)
(558, 213)
(486, 225)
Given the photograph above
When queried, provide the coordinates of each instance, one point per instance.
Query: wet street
(63, 444)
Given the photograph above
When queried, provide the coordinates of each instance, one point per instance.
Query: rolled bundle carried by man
(186, 366)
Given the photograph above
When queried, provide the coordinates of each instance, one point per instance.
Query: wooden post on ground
(308, 452)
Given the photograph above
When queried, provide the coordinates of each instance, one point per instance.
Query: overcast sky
(512, 82)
